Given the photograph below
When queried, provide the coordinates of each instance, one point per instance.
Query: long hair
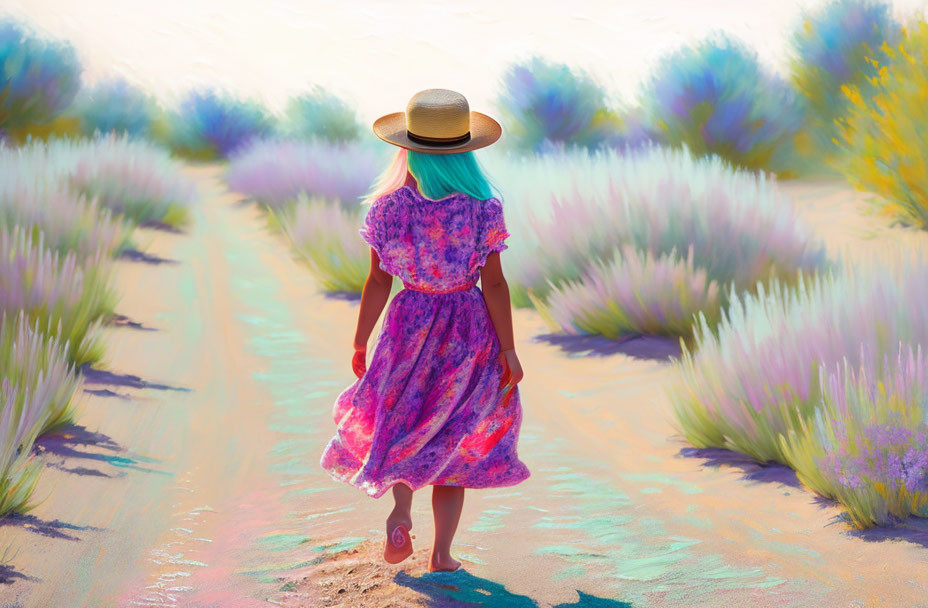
(437, 175)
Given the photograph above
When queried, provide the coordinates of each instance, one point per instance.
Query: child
(439, 404)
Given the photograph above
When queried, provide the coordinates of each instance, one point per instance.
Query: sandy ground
(193, 477)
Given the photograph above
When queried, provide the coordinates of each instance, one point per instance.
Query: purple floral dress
(428, 410)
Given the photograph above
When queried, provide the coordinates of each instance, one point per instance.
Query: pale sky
(376, 54)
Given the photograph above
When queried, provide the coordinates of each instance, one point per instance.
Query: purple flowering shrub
(717, 98)
(67, 296)
(37, 385)
(867, 445)
(274, 171)
(323, 235)
(131, 177)
(774, 381)
(211, 124)
(614, 243)
(81, 192)
(633, 292)
(548, 106)
(40, 78)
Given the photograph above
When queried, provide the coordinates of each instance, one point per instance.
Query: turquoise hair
(440, 175)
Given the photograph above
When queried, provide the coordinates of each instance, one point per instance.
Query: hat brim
(483, 131)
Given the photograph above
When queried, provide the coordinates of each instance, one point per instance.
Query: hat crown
(438, 113)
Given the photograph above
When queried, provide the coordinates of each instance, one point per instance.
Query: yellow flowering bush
(885, 135)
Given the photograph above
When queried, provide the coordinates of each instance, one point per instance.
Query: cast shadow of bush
(654, 348)
(751, 469)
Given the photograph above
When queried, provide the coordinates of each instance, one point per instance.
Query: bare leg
(447, 502)
(402, 509)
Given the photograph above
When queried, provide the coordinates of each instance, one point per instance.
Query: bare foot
(398, 545)
(443, 564)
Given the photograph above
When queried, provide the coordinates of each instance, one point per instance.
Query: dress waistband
(451, 290)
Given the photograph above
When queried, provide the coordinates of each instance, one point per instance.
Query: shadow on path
(105, 392)
(913, 530)
(76, 442)
(9, 575)
(51, 529)
(99, 376)
(751, 469)
(652, 348)
(347, 296)
(134, 255)
(461, 589)
(124, 321)
(156, 225)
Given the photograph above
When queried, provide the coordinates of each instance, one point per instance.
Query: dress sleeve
(492, 232)
(376, 231)
(372, 230)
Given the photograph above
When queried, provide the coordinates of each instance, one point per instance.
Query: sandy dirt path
(193, 477)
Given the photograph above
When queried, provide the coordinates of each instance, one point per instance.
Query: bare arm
(496, 295)
(373, 299)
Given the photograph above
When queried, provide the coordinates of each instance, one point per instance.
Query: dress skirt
(428, 410)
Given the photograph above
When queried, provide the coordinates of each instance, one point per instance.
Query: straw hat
(438, 121)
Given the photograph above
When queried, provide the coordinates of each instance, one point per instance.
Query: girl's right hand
(359, 362)
(512, 369)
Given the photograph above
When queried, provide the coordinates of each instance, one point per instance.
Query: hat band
(437, 141)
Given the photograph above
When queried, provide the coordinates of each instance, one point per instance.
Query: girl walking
(439, 404)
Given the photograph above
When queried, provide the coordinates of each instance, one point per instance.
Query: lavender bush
(716, 98)
(40, 78)
(321, 115)
(544, 103)
(210, 124)
(324, 236)
(274, 172)
(133, 178)
(767, 382)
(867, 443)
(67, 221)
(699, 225)
(115, 106)
(37, 386)
(634, 293)
(55, 291)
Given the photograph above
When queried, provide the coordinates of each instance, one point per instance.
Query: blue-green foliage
(210, 124)
(115, 105)
(716, 98)
(321, 115)
(545, 104)
(837, 46)
(439, 175)
(39, 78)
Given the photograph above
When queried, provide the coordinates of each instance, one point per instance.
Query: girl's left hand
(359, 361)
(512, 369)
